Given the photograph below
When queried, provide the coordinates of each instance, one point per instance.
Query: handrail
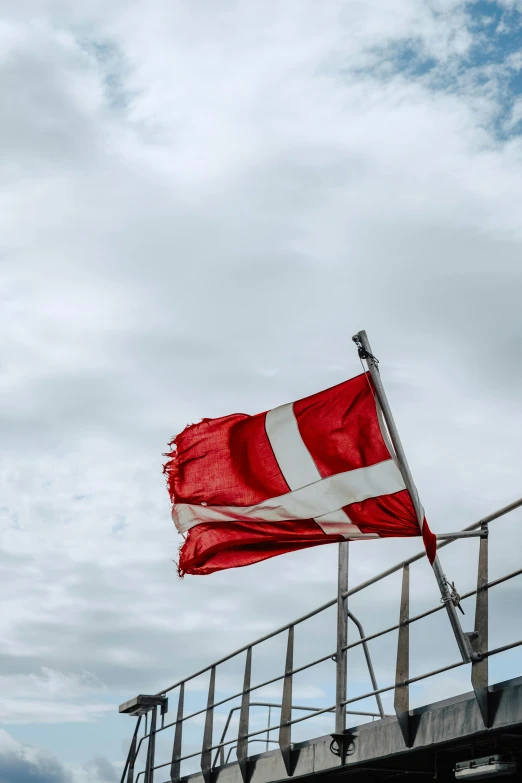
(253, 704)
(346, 701)
(324, 658)
(294, 707)
(400, 686)
(318, 711)
(413, 559)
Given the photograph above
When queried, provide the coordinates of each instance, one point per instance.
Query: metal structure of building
(473, 736)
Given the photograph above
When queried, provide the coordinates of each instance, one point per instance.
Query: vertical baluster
(130, 775)
(402, 689)
(342, 640)
(149, 765)
(206, 753)
(285, 729)
(242, 735)
(479, 668)
(175, 767)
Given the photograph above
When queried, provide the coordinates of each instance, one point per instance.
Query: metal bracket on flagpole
(449, 595)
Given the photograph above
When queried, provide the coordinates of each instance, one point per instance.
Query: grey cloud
(44, 82)
(17, 770)
(28, 764)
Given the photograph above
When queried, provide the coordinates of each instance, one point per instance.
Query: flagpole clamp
(363, 353)
(452, 596)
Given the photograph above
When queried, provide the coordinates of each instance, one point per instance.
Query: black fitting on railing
(343, 744)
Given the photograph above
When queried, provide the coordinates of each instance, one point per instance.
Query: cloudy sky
(200, 203)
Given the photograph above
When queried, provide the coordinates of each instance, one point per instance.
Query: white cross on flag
(316, 471)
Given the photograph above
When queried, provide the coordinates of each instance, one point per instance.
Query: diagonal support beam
(367, 655)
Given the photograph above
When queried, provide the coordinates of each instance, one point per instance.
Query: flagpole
(365, 352)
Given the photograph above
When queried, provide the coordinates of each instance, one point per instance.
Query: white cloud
(17, 711)
(49, 683)
(51, 697)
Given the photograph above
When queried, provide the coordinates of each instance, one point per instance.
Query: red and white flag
(320, 470)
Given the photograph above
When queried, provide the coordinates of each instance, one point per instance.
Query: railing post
(242, 736)
(285, 729)
(175, 767)
(341, 657)
(206, 753)
(401, 700)
(479, 668)
(149, 765)
(130, 776)
(131, 759)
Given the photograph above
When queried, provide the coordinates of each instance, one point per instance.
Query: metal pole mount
(448, 595)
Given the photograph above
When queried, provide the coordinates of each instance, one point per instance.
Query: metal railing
(401, 685)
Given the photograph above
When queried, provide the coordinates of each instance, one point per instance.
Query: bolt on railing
(479, 678)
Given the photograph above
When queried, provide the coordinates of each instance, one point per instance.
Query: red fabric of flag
(246, 488)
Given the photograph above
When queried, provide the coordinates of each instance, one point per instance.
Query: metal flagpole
(365, 352)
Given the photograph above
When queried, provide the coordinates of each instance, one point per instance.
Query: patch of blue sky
(492, 62)
(515, 83)
(497, 33)
(111, 62)
(119, 525)
(408, 58)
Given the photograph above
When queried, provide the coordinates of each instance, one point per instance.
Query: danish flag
(316, 471)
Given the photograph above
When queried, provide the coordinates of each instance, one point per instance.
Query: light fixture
(140, 705)
(487, 767)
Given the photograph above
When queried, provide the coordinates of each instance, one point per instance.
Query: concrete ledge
(434, 725)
